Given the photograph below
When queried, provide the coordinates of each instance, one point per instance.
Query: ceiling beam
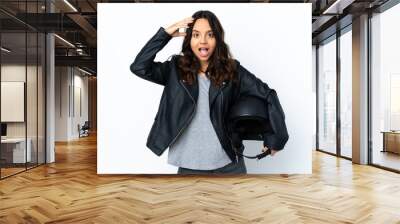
(337, 6)
(85, 61)
(86, 26)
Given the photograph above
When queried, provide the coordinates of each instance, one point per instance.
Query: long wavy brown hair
(221, 66)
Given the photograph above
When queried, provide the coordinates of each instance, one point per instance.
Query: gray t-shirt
(198, 147)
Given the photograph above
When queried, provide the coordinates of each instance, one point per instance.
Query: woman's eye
(210, 34)
(195, 35)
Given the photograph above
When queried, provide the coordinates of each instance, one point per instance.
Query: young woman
(201, 84)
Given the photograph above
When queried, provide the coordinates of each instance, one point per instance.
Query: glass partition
(32, 95)
(14, 153)
(41, 111)
(346, 93)
(327, 96)
(22, 67)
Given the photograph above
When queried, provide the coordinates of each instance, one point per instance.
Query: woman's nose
(203, 39)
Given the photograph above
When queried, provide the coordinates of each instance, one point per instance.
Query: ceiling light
(64, 40)
(86, 72)
(70, 5)
(5, 49)
(338, 6)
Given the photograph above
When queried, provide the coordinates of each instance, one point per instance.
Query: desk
(17, 150)
(391, 141)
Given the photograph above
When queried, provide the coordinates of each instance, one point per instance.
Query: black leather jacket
(179, 100)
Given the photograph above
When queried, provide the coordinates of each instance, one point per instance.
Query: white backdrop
(273, 41)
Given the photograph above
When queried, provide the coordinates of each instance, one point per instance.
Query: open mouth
(203, 51)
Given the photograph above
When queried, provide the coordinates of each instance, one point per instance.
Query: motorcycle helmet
(249, 120)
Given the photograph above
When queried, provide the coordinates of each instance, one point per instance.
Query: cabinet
(391, 142)
(13, 150)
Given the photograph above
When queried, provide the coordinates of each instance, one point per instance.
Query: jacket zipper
(188, 121)
(223, 121)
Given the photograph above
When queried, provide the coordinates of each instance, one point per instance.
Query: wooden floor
(70, 191)
(387, 159)
(5, 172)
(8, 171)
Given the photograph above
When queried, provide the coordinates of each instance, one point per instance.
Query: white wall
(68, 81)
(17, 72)
(278, 53)
(33, 127)
(80, 83)
(12, 101)
(61, 103)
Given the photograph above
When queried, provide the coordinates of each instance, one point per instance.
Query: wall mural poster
(190, 88)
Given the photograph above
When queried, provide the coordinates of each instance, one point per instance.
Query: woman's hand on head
(173, 30)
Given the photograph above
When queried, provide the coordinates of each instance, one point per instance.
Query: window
(346, 93)
(385, 88)
(327, 96)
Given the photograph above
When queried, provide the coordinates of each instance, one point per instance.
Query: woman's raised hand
(173, 30)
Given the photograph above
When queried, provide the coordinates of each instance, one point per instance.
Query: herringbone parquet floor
(70, 191)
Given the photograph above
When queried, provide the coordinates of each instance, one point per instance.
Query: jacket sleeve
(144, 65)
(250, 85)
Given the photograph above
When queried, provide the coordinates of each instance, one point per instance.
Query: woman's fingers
(184, 22)
(188, 19)
(266, 148)
(173, 30)
(183, 25)
(178, 34)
